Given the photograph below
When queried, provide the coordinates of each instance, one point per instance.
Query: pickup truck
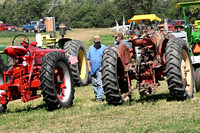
(32, 27)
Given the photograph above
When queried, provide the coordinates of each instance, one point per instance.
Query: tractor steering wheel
(20, 40)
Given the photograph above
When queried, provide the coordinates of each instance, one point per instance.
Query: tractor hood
(14, 51)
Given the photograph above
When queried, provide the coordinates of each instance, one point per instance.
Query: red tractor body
(36, 69)
(153, 66)
(24, 78)
(151, 57)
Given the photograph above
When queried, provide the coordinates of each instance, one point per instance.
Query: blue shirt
(127, 44)
(95, 57)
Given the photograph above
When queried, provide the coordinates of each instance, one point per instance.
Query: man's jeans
(97, 85)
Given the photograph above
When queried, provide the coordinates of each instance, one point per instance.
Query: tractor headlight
(186, 26)
(24, 63)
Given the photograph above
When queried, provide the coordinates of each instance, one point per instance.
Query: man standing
(94, 66)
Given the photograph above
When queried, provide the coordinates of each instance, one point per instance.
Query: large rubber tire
(113, 86)
(80, 69)
(2, 68)
(197, 79)
(56, 93)
(179, 69)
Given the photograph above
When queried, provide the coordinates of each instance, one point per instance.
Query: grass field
(156, 113)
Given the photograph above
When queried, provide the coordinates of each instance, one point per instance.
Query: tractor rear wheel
(197, 79)
(79, 70)
(112, 77)
(2, 68)
(56, 81)
(179, 69)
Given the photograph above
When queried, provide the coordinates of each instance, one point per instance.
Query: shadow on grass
(155, 98)
(27, 108)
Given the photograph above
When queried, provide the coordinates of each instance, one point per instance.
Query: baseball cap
(118, 34)
(96, 38)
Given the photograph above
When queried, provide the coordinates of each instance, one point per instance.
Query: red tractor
(152, 57)
(36, 69)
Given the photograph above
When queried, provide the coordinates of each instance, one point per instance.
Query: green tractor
(3, 57)
(3, 61)
(74, 48)
(193, 39)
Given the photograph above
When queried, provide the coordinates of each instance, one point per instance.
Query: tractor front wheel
(79, 70)
(179, 69)
(56, 81)
(2, 67)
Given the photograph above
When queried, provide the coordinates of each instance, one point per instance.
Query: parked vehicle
(180, 24)
(32, 27)
(8, 27)
(36, 69)
(151, 57)
(79, 70)
(66, 28)
(193, 38)
(73, 47)
(171, 26)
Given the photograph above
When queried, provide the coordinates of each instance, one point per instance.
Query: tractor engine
(149, 69)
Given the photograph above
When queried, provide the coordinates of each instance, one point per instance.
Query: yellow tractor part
(82, 64)
(196, 24)
(185, 4)
(138, 18)
(47, 41)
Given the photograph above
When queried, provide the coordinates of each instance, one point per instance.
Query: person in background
(94, 58)
(119, 38)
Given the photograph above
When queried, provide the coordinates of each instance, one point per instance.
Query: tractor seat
(14, 51)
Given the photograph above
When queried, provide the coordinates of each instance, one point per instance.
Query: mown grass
(156, 113)
(6, 37)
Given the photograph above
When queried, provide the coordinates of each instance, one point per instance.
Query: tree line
(91, 13)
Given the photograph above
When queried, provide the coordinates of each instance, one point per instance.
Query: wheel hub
(82, 64)
(186, 70)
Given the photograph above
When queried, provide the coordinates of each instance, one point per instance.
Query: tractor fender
(161, 49)
(124, 55)
(157, 39)
(62, 41)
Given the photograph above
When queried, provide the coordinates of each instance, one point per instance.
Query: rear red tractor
(152, 57)
(36, 69)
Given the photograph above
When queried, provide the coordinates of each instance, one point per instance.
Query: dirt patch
(87, 34)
